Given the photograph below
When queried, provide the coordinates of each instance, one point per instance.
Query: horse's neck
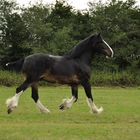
(86, 58)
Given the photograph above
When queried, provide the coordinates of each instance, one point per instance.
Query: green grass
(119, 121)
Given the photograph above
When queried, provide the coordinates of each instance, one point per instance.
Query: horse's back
(36, 63)
(41, 62)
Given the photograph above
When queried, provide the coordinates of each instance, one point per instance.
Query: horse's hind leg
(13, 102)
(67, 103)
(90, 102)
(36, 99)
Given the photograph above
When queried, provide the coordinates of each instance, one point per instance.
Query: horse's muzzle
(109, 54)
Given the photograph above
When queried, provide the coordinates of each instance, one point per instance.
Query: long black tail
(16, 65)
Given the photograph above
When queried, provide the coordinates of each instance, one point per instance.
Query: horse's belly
(73, 79)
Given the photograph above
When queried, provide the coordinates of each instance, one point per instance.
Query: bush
(10, 78)
(123, 78)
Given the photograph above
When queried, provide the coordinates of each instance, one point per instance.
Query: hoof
(66, 104)
(98, 110)
(9, 111)
(11, 103)
(62, 107)
(45, 111)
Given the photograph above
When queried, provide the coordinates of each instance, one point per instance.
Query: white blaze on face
(112, 53)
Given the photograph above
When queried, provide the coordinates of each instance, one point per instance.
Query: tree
(61, 14)
(118, 21)
(36, 21)
(13, 33)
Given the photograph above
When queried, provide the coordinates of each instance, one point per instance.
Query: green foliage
(10, 78)
(119, 23)
(65, 42)
(13, 33)
(123, 78)
(56, 29)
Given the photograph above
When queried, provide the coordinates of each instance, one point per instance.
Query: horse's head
(102, 46)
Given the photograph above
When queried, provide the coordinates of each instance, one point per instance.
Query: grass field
(119, 121)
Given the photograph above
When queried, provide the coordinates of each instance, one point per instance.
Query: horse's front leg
(91, 104)
(67, 103)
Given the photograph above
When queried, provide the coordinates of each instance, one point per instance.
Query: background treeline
(55, 29)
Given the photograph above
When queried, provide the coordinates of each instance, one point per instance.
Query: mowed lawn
(119, 121)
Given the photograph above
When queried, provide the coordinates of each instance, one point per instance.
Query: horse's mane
(80, 47)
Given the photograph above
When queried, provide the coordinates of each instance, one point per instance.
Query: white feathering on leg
(42, 108)
(13, 101)
(67, 103)
(93, 107)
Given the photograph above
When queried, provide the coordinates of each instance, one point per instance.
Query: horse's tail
(16, 65)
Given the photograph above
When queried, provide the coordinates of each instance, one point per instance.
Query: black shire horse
(72, 69)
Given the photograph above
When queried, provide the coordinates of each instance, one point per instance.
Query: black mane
(81, 47)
